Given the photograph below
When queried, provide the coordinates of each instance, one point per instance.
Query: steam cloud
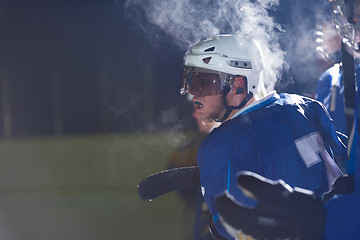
(299, 41)
(188, 22)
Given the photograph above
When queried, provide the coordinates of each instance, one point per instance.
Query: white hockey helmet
(221, 58)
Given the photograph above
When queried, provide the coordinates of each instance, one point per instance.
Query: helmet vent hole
(207, 60)
(210, 49)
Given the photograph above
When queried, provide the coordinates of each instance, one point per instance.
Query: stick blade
(167, 181)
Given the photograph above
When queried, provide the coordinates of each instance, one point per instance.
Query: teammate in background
(186, 156)
(331, 89)
(282, 136)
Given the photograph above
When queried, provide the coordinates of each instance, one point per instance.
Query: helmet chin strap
(229, 109)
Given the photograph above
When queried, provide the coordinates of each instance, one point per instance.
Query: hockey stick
(169, 180)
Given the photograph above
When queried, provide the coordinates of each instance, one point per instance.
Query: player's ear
(238, 86)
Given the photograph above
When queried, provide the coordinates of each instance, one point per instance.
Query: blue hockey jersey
(330, 92)
(285, 136)
(342, 211)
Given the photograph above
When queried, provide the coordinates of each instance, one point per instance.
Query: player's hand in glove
(281, 212)
(342, 185)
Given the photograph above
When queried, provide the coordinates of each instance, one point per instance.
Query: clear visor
(203, 82)
(349, 31)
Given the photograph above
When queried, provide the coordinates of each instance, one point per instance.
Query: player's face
(204, 126)
(208, 108)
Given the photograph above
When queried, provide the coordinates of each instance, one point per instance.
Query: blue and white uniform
(343, 211)
(330, 92)
(284, 136)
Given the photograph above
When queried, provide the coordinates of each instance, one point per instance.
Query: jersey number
(311, 148)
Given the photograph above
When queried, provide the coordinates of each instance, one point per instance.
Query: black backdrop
(81, 67)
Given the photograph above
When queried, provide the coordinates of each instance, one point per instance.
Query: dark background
(81, 67)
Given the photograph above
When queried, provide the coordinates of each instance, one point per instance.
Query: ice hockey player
(336, 87)
(284, 136)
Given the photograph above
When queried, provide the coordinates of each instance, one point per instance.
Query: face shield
(327, 43)
(204, 82)
(347, 21)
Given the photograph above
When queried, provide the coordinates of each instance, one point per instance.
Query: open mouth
(197, 105)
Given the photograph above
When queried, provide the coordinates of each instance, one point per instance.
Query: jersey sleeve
(220, 158)
(219, 164)
(324, 124)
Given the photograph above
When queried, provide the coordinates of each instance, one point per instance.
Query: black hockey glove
(342, 185)
(281, 211)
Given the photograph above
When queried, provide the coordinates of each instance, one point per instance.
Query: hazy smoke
(299, 41)
(188, 22)
(170, 124)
